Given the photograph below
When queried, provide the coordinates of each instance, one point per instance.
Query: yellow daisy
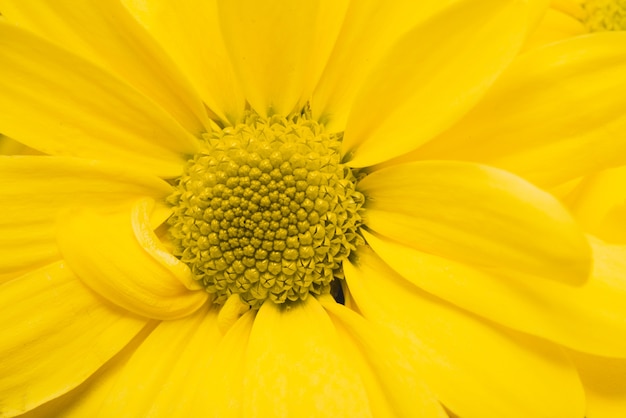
(267, 209)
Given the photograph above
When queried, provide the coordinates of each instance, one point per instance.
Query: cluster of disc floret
(605, 15)
(266, 210)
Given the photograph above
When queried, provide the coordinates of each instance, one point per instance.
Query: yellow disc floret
(605, 15)
(266, 211)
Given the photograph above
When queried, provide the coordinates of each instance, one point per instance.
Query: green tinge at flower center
(266, 211)
(605, 15)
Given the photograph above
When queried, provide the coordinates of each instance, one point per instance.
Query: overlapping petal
(586, 318)
(431, 77)
(84, 112)
(120, 257)
(475, 368)
(35, 190)
(556, 114)
(476, 214)
(190, 32)
(103, 32)
(279, 48)
(49, 318)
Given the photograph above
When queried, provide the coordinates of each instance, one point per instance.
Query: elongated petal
(475, 368)
(191, 34)
(56, 102)
(36, 189)
(599, 204)
(560, 103)
(476, 214)
(104, 32)
(604, 380)
(295, 366)
(120, 258)
(555, 26)
(54, 333)
(431, 77)
(369, 30)
(589, 318)
(157, 380)
(382, 367)
(279, 49)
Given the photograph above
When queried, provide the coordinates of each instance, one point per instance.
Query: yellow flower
(268, 209)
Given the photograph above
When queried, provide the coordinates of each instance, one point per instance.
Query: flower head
(275, 209)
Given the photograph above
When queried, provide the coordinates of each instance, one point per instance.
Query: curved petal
(555, 26)
(54, 333)
(60, 104)
(36, 189)
(103, 32)
(599, 204)
(295, 366)
(604, 380)
(475, 368)
(190, 33)
(431, 77)
(479, 215)
(391, 383)
(158, 378)
(589, 318)
(279, 48)
(120, 258)
(562, 102)
(369, 30)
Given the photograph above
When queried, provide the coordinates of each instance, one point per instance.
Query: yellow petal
(158, 379)
(474, 367)
(120, 258)
(555, 26)
(431, 77)
(369, 30)
(60, 104)
(190, 33)
(218, 381)
(599, 204)
(54, 333)
(391, 383)
(560, 103)
(104, 33)
(479, 215)
(589, 318)
(36, 189)
(279, 48)
(295, 366)
(604, 380)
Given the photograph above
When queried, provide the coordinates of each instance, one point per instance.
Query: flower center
(605, 15)
(267, 211)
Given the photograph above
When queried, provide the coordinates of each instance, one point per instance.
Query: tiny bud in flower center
(266, 211)
(605, 15)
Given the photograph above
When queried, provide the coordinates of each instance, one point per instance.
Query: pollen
(267, 211)
(605, 15)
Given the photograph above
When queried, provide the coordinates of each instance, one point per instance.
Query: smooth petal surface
(555, 26)
(479, 215)
(369, 30)
(103, 32)
(36, 189)
(599, 204)
(475, 368)
(54, 333)
(60, 104)
(393, 386)
(120, 258)
(190, 33)
(295, 366)
(279, 48)
(589, 318)
(431, 77)
(158, 380)
(604, 380)
(556, 114)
